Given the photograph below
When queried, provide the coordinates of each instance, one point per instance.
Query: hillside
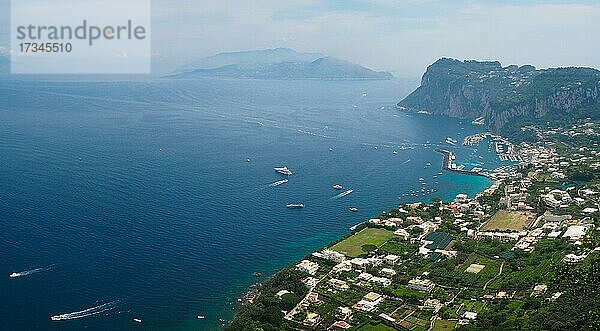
(506, 97)
(277, 63)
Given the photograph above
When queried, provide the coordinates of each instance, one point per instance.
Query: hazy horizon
(402, 37)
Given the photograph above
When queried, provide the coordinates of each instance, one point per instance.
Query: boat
(331, 149)
(295, 206)
(137, 320)
(343, 194)
(14, 275)
(440, 173)
(201, 317)
(337, 187)
(247, 160)
(283, 181)
(283, 171)
(395, 152)
(428, 164)
(422, 179)
(353, 209)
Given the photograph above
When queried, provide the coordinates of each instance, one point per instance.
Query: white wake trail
(30, 272)
(86, 312)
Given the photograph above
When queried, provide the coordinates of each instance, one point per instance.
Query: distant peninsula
(279, 64)
(506, 98)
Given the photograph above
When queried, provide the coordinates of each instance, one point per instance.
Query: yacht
(337, 187)
(283, 171)
(295, 206)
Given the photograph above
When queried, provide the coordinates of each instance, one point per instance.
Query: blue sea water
(136, 198)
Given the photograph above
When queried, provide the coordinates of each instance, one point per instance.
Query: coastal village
(456, 264)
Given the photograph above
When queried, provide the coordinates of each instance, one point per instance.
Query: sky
(401, 36)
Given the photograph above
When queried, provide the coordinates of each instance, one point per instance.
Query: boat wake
(277, 183)
(343, 194)
(86, 312)
(30, 272)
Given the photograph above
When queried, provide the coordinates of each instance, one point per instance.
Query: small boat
(353, 209)
(247, 160)
(201, 317)
(395, 152)
(137, 320)
(422, 179)
(283, 171)
(440, 173)
(295, 206)
(337, 187)
(428, 164)
(331, 149)
(14, 275)
(257, 274)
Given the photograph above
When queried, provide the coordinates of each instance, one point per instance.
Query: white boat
(295, 206)
(283, 181)
(14, 275)
(331, 149)
(395, 152)
(353, 209)
(343, 194)
(137, 320)
(283, 171)
(428, 164)
(337, 187)
(201, 317)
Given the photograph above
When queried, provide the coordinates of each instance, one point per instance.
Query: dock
(448, 164)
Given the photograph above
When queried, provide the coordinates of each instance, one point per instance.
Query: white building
(308, 267)
(423, 285)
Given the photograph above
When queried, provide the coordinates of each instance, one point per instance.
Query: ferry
(353, 209)
(337, 187)
(283, 171)
(295, 206)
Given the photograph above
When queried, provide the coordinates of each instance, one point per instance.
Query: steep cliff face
(505, 96)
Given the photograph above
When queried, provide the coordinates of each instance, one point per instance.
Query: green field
(509, 220)
(442, 325)
(376, 327)
(363, 242)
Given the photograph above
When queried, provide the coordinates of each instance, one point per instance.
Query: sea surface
(136, 200)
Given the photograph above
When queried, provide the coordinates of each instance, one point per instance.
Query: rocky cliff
(506, 97)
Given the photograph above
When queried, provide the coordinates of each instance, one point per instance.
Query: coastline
(254, 290)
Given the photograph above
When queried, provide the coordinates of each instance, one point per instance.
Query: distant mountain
(506, 97)
(251, 59)
(280, 63)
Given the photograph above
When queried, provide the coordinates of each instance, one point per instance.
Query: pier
(448, 164)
